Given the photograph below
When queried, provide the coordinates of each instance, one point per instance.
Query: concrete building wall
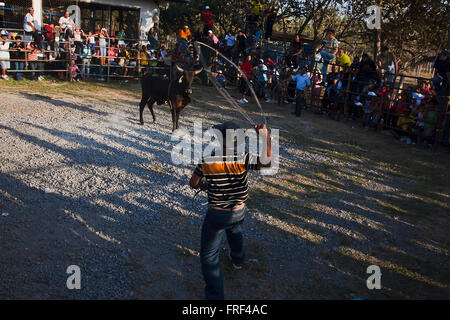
(149, 13)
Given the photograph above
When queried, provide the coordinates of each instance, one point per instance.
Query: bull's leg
(174, 117)
(150, 106)
(141, 108)
(177, 118)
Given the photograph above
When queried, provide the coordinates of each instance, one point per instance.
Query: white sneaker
(245, 100)
(5, 77)
(240, 101)
(40, 78)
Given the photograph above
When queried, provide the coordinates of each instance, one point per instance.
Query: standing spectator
(241, 40)
(86, 56)
(302, 81)
(441, 72)
(261, 77)
(366, 73)
(328, 52)
(270, 12)
(153, 39)
(31, 31)
(103, 36)
(207, 20)
(91, 44)
(246, 67)
(387, 64)
(4, 54)
(230, 41)
(77, 40)
(33, 59)
(18, 53)
(212, 39)
(66, 26)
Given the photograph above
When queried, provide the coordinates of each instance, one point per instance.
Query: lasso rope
(223, 91)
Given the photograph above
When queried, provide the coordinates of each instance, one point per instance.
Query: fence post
(107, 59)
(347, 91)
(69, 74)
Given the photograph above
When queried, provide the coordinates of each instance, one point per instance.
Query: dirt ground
(343, 199)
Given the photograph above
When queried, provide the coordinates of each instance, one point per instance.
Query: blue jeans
(215, 225)
(326, 58)
(19, 65)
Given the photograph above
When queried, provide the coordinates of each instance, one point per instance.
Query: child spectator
(76, 73)
(4, 53)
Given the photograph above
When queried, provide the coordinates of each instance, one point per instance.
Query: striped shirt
(227, 179)
(332, 44)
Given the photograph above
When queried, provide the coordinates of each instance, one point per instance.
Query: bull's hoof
(141, 123)
(154, 121)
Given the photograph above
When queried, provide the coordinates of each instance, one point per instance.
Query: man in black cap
(224, 176)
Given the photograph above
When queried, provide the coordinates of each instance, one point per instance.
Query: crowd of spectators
(326, 80)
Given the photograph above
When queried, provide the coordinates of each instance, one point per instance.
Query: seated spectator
(430, 121)
(328, 53)
(221, 80)
(405, 123)
(295, 52)
(183, 37)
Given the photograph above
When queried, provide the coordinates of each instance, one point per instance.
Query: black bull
(161, 90)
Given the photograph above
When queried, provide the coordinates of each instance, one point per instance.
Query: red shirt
(48, 32)
(206, 15)
(247, 68)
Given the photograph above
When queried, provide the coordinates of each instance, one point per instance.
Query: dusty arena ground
(342, 200)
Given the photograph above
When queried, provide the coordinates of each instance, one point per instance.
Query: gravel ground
(120, 210)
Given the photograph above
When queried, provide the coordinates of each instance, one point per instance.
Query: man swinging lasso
(226, 182)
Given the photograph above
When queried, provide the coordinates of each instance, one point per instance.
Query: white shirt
(4, 47)
(66, 22)
(26, 26)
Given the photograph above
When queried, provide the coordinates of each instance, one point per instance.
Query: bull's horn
(179, 69)
(198, 71)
